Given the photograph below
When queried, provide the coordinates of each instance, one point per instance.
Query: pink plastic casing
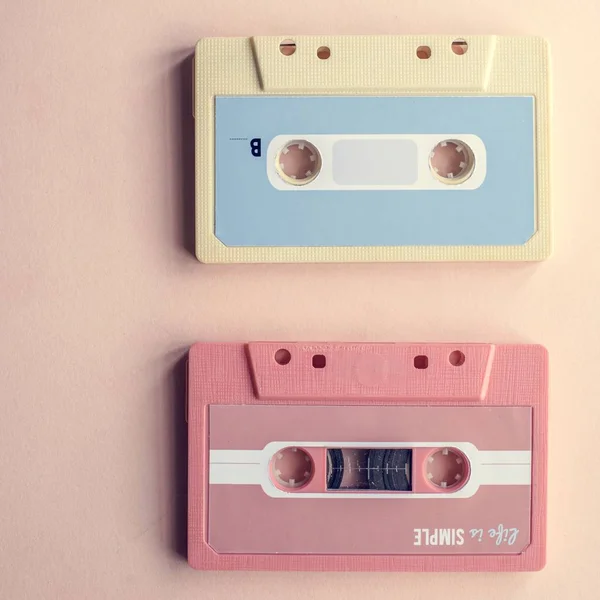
(240, 399)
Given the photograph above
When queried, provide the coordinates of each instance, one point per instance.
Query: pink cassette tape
(389, 457)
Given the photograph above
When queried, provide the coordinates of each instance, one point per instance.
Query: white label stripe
(488, 467)
(236, 456)
(237, 474)
(504, 457)
(504, 475)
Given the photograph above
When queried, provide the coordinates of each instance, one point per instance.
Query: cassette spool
(367, 456)
(381, 148)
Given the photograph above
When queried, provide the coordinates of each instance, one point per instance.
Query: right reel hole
(446, 468)
(451, 161)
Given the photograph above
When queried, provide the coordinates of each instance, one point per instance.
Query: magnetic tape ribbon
(387, 469)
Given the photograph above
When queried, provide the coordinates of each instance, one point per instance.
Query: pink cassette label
(463, 483)
(367, 456)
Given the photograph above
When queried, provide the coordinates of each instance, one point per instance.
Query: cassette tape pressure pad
(395, 148)
(400, 457)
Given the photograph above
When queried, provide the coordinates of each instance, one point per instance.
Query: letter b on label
(255, 147)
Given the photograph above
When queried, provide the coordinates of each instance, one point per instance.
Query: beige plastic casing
(369, 66)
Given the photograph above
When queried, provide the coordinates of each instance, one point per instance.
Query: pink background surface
(100, 296)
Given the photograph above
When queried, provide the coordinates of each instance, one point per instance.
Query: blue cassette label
(370, 175)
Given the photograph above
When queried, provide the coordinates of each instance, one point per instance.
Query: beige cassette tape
(372, 148)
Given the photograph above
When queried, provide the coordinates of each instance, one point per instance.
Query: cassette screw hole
(292, 467)
(323, 52)
(459, 47)
(424, 52)
(456, 358)
(446, 468)
(287, 47)
(298, 162)
(451, 161)
(283, 356)
(421, 362)
(319, 361)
